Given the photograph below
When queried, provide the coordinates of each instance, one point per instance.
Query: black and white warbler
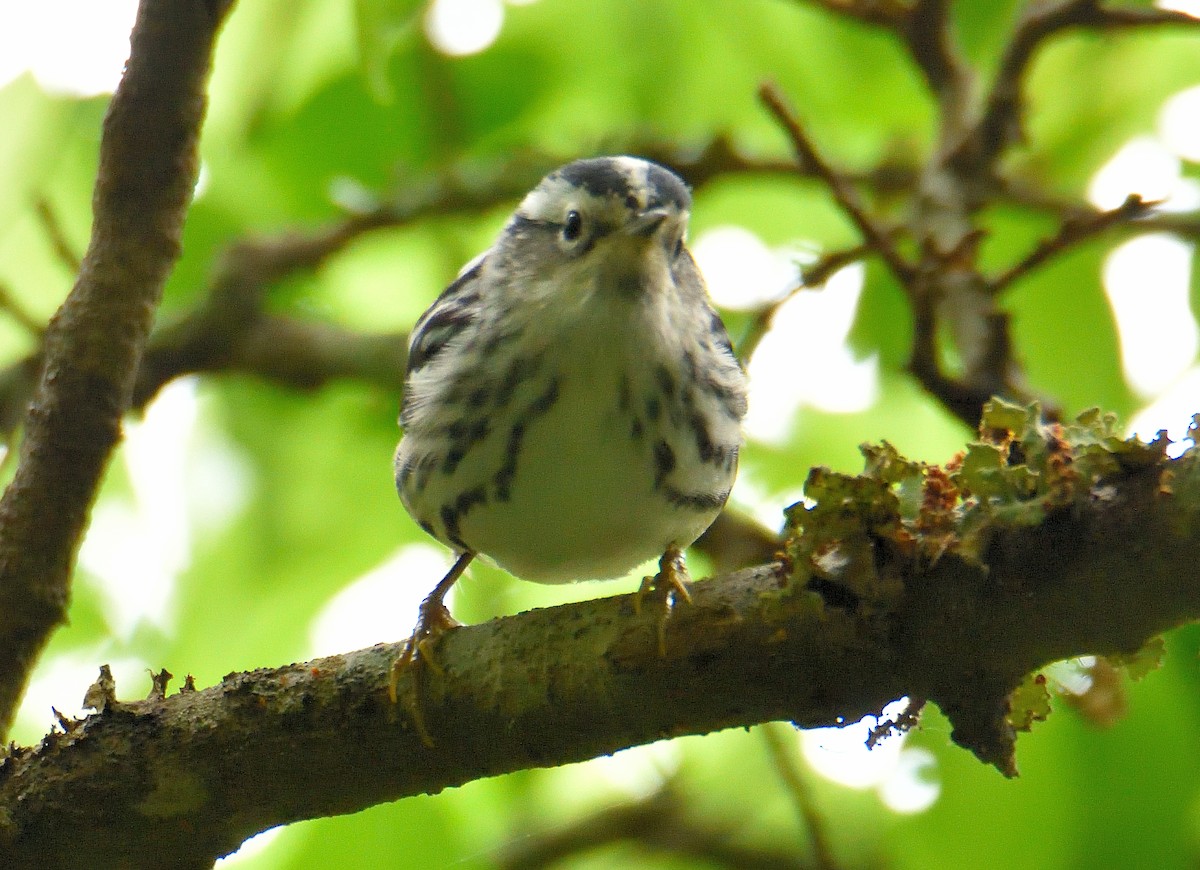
(573, 407)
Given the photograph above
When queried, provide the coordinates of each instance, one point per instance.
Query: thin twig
(781, 745)
(1072, 232)
(1027, 195)
(14, 309)
(876, 236)
(810, 278)
(63, 249)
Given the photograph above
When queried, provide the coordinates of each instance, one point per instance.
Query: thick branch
(196, 773)
(93, 344)
(927, 33)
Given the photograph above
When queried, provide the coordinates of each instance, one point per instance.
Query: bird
(572, 404)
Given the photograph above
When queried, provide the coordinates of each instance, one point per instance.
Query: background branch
(877, 237)
(1000, 124)
(661, 822)
(93, 344)
(783, 756)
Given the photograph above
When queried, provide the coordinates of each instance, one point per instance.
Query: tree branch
(1073, 231)
(781, 745)
(956, 605)
(661, 822)
(877, 237)
(1000, 123)
(93, 344)
(811, 277)
(926, 32)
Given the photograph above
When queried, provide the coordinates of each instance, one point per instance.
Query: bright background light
(74, 47)
(382, 603)
(1148, 279)
(743, 273)
(461, 27)
(464, 27)
(903, 777)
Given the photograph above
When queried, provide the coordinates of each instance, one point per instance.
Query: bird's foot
(433, 620)
(670, 584)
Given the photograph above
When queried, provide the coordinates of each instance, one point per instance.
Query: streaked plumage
(573, 407)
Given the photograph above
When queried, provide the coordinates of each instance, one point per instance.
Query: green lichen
(1019, 471)
(1029, 703)
(1145, 660)
(857, 539)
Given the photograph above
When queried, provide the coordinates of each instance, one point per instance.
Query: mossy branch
(1040, 542)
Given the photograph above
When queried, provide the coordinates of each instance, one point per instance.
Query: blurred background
(248, 523)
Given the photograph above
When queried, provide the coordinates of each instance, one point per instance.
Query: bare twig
(1183, 224)
(660, 822)
(14, 309)
(780, 740)
(1072, 232)
(876, 236)
(63, 249)
(1000, 124)
(92, 345)
(811, 277)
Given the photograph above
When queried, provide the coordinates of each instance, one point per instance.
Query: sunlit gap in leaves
(72, 47)
(183, 480)
(254, 848)
(381, 605)
(1148, 278)
(137, 545)
(464, 27)
(1191, 7)
(804, 359)
(901, 775)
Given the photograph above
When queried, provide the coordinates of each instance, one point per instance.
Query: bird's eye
(573, 226)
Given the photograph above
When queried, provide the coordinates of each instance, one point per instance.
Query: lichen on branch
(995, 524)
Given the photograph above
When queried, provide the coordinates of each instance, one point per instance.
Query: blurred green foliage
(293, 498)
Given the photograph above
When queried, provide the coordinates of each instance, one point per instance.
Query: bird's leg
(433, 620)
(668, 584)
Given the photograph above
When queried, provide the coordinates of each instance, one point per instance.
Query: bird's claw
(667, 586)
(433, 621)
